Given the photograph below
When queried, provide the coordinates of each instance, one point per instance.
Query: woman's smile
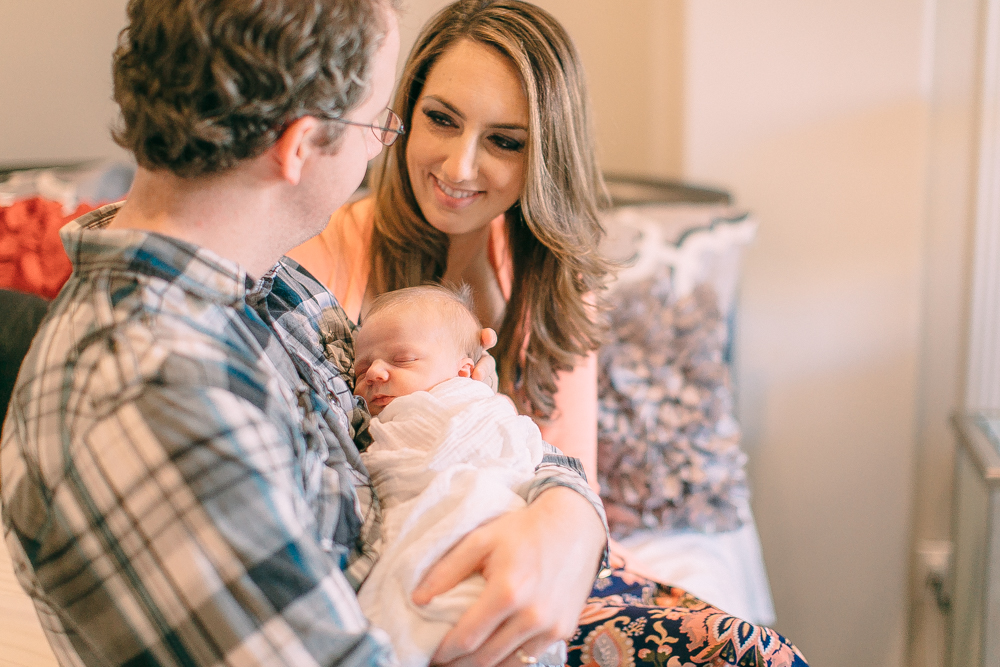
(453, 197)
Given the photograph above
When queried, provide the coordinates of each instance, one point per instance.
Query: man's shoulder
(106, 345)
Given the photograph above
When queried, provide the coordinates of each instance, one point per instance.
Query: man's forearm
(586, 533)
(560, 471)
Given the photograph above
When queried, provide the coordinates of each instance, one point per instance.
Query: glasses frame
(386, 135)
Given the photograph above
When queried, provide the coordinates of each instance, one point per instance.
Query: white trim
(983, 379)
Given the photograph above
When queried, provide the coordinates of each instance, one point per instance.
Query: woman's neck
(469, 263)
(466, 252)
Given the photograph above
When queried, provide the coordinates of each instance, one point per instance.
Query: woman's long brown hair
(554, 231)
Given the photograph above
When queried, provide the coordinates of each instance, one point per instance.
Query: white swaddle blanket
(442, 462)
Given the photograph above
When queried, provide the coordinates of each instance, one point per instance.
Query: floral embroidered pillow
(669, 452)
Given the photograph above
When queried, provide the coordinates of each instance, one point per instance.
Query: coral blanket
(32, 258)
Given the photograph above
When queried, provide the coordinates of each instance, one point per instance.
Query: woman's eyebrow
(448, 105)
(452, 108)
(509, 126)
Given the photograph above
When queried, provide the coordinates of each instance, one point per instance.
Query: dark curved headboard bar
(630, 190)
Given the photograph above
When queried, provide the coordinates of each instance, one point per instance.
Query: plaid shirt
(181, 478)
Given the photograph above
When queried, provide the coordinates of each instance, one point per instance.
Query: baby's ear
(465, 368)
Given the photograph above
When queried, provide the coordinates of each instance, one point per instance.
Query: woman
(495, 185)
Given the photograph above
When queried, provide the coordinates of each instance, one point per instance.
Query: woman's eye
(506, 143)
(438, 118)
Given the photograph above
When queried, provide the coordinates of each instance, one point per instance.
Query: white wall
(55, 79)
(814, 114)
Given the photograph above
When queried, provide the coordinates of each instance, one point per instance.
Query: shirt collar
(92, 248)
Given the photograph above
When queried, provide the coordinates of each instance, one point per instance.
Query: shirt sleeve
(558, 469)
(185, 538)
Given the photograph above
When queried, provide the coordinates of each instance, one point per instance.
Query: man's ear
(294, 146)
(465, 368)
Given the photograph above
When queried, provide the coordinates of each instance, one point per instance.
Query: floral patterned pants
(630, 621)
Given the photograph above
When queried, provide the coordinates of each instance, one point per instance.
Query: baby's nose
(377, 372)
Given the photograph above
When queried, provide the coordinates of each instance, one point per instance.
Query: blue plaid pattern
(181, 479)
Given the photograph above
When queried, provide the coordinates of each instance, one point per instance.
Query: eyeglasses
(387, 128)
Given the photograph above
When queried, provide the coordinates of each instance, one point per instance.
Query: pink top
(338, 257)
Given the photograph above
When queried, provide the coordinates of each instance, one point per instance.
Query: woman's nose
(462, 163)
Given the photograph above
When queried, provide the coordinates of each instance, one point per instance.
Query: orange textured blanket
(32, 258)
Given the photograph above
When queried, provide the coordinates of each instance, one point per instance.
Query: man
(180, 466)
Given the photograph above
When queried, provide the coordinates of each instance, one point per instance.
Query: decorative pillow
(668, 444)
(34, 205)
(32, 258)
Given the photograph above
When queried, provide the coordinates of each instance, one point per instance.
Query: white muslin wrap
(443, 462)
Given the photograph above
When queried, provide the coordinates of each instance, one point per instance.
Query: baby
(448, 455)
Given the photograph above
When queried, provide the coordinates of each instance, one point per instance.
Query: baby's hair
(454, 302)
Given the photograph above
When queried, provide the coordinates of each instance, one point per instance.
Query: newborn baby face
(402, 350)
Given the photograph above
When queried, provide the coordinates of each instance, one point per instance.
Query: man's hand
(539, 564)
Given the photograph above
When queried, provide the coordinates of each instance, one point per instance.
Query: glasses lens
(394, 122)
(391, 126)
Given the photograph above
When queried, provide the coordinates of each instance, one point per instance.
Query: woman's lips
(453, 197)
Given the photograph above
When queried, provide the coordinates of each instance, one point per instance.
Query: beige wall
(820, 117)
(815, 115)
(55, 79)
(55, 63)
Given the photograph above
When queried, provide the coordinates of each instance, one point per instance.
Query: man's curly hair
(204, 84)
